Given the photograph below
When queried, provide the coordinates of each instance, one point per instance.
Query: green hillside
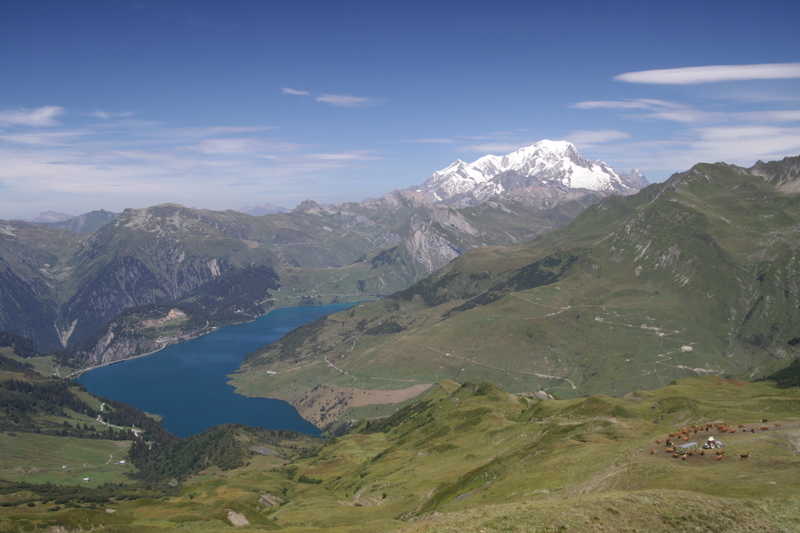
(52, 431)
(694, 276)
(473, 457)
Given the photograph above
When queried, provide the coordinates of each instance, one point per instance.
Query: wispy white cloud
(294, 92)
(132, 163)
(740, 94)
(108, 115)
(776, 115)
(359, 155)
(741, 144)
(240, 146)
(36, 177)
(637, 103)
(43, 138)
(735, 143)
(712, 74)
(345, 100)
(686, 115)
(660, 109)
(431, 140)
(588, 137)
(492, 147)
(211, 131)
(39, 117)
(683, 113)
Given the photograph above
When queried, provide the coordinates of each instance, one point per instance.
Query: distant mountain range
(695, 276)
(85, 223)
(49, 217)
(263, 209)
(105, 286)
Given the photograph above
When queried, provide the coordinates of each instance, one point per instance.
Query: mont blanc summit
(539, 170)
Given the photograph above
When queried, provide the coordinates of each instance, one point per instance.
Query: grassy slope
(34, 458)
(694, 276)
(476, 458)
(38, 457)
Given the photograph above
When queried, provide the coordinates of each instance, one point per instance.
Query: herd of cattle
(677, 444)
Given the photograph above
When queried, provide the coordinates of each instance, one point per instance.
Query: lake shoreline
(188, 383)
(194, 335)
(186, 338)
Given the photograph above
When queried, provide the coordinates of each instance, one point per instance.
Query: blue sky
(119, 104)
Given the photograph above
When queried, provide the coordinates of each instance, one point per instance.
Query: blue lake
(186, 383)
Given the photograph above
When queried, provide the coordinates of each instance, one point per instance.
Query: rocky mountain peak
(784, 174)
(548, 164)
(635, 178)
(308, 206)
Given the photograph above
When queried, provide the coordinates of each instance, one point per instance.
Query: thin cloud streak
(683, 113)
(589, 137)
(638, 103)
(47, 138)
(108, 115)
(344, 100)
(712, 74)
(38, 117)
(433, 140)
(738, 144)
(494, 147)
(294, 92)
(241, 146)
(361, 155)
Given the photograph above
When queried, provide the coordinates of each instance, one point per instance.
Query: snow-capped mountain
(544, 169)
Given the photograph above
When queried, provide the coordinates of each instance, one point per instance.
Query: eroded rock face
(325, 404)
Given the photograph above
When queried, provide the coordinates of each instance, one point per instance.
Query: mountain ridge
(692, 276)
(96, 295)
